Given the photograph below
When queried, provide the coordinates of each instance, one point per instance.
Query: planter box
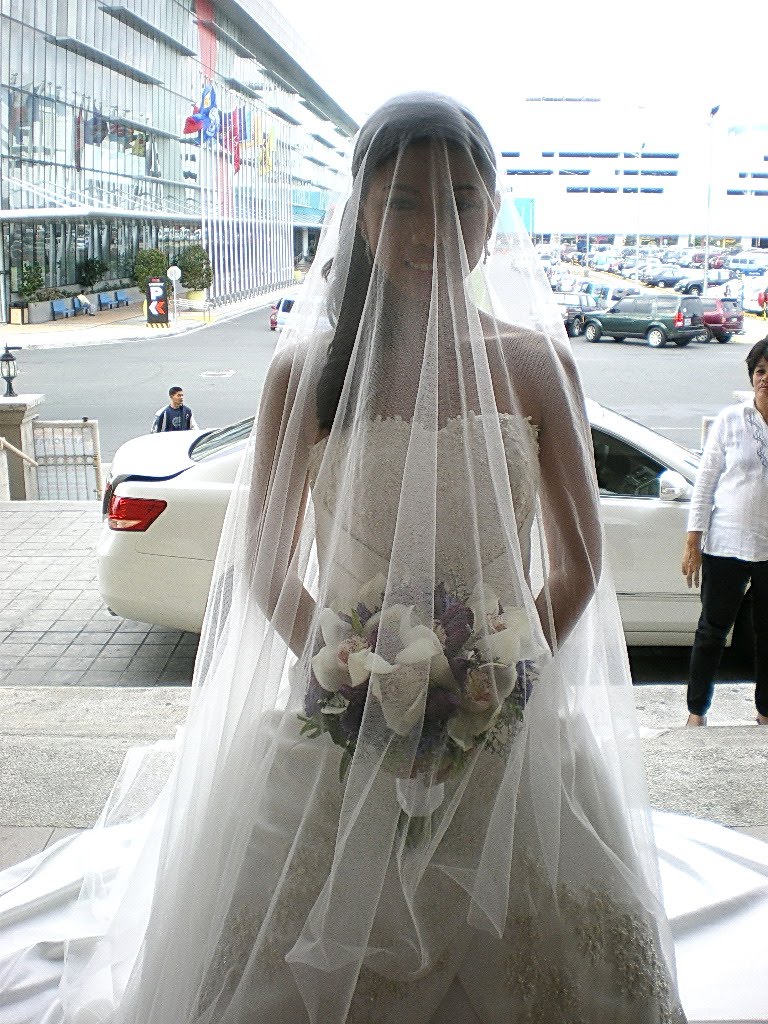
(40, 312)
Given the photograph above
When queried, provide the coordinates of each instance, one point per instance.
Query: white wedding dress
(573, 954)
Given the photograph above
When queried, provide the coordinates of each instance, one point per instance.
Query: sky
(673, 60)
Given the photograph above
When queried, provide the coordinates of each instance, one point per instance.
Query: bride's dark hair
(413, 117)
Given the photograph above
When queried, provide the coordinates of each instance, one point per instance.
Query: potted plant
(30, 281)
(196, 274)
(90, 271)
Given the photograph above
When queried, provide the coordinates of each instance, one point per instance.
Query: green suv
(657, 318)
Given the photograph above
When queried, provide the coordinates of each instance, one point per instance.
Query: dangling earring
(487, 252)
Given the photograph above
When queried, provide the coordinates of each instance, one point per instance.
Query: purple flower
(351, 719)
(315, 696)
(460, 667)
(457, 621)
(441, 705)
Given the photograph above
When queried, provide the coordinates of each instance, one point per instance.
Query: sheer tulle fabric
(411, 760)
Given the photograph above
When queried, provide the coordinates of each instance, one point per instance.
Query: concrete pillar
(16, 416)
(304, 243)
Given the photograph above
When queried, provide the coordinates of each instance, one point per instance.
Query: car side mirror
(673, 486)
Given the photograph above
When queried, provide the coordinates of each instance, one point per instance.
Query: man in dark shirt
(175, 416)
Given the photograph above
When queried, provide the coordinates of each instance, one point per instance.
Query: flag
(139, 145)
(151, 159)
(79, 139)
(15, 112)
(194, 122)
(96, 129)
(210, 113)
(231, 136)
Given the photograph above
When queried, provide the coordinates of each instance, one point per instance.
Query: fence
(68, 457)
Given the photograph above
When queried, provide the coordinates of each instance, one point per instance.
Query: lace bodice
(467, 505)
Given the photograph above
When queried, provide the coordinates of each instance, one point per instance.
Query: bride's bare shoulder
(529, 353)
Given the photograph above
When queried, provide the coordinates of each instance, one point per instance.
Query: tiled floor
(54, 627)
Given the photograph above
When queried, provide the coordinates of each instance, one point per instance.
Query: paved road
(221, 369)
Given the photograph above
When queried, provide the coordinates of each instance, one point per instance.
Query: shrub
(90, 271)
(46, 294)
(195, 267)
(30, 280)
(149, 263)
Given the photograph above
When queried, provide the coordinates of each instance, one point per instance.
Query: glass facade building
(136, 124)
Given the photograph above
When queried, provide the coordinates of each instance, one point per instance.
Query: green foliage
(195, 267)
(149, 263)
(30, 280)
(46, 294)
(90, 271)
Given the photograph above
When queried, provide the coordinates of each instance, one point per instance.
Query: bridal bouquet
(462, 678)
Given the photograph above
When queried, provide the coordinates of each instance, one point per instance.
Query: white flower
(334, 628)
(363, 663)
(372, 594)
(401, 693)
(330, 673)
(483, 601)
(487, 687)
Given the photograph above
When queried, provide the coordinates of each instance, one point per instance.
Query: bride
(409, 787)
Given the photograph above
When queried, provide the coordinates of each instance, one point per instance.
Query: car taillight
(133, 514)
(679, 319)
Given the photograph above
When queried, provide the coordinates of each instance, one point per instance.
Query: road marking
(217, 373)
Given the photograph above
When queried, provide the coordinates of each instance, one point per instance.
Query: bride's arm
(569, 496)
(278, 499)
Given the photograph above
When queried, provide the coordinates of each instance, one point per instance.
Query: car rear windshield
(287, 305)
(218, 441)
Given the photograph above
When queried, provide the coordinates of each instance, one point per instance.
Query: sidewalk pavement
(128, 323)
(79, 687)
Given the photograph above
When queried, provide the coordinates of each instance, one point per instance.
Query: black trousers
(724, 582)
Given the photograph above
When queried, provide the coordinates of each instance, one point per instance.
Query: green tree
(90, 271)
(30, 280)
(195, 267)
(149, 263)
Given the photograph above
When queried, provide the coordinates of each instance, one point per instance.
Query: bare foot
(695, 720)
(761, 719)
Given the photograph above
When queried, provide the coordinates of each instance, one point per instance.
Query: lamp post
(637, 214)
(712, 113)
(8, 369)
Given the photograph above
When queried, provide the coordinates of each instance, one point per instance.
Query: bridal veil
(411, 753)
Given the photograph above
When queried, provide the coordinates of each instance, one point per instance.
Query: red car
(723, 318)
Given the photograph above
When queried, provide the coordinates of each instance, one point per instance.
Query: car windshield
(217, 441)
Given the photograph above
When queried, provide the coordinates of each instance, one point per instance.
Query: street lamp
(712, 113)
(637, 209)
(8, 369)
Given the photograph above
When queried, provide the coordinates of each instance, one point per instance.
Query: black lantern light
(8, 369)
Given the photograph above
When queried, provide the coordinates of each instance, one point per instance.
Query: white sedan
(167, 494)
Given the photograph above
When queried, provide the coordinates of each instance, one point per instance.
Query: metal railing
(68, 457)
(17, 452)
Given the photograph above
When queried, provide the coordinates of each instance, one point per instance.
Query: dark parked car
(658, 319)
(575, 307)
(693, 283)
(666, 278)
(723, 318)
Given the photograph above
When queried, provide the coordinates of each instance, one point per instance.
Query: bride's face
(409, 215)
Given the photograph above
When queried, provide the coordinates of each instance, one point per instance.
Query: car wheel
(656, 338)
(695, 289)
(682, 342)
(592, 332)
(722, 338)
(704, 335)
(575, 329)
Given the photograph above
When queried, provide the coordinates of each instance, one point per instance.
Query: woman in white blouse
(727, 543)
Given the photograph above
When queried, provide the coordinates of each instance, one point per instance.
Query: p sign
(157, 302)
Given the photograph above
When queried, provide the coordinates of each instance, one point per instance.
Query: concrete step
(62, 748)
